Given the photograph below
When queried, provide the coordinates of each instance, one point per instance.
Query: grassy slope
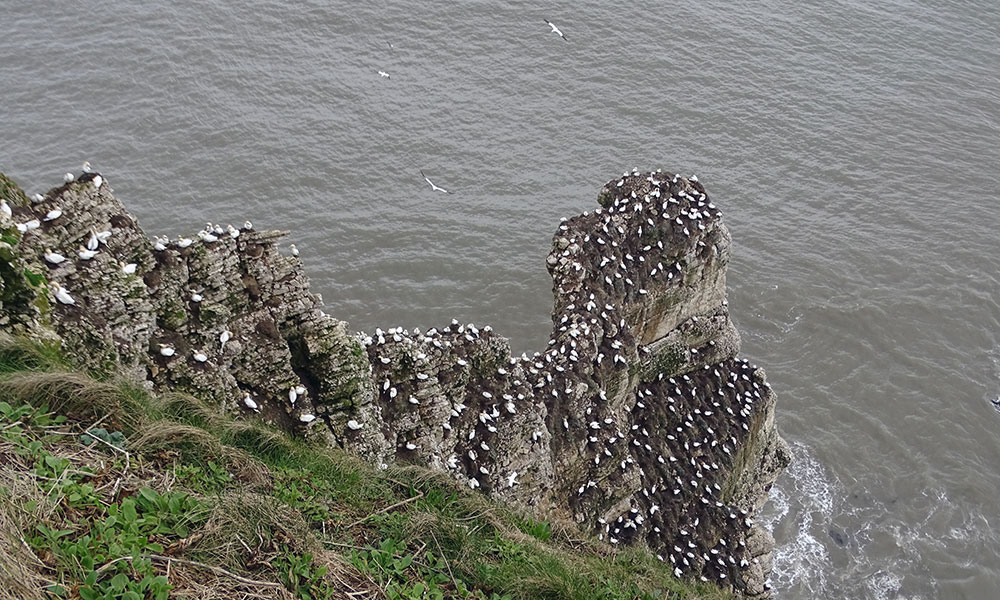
(166, 498)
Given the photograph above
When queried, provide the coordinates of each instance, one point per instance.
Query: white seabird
(249, 403)
(224, 337)
(184, 242)
(248, 225)
(383, 74)
(555, 30)
(433, 187)
(166, 350)
(307, 418)
(5, 208)
(53, 257)
(86, 166)
(128, 269)
(61, 294)
(97, 181)
(69, 177)
(85, 254)
(29, 225)
(354, 425)
(93, 242)
(199, 355)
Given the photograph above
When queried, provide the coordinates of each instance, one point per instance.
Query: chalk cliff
(638, 419)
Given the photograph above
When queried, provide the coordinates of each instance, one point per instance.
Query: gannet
(86, 166)
(199, 355)
(195, 297)
(555, 30)
(184, 242)
(307, 418)
(166, 350)
(128, 269)
(69, 177)
(61, 294)
(97, 181)
(292, 395)
(383, 74)
(354, 425)
(29, 225)
(247, 225)
(249, 403)
(93, 242)
(207, 237)
(36, 198)
(53, 257)
(85, 254)
(433, 187)
(102, 236)
(224, 337)
(233, 232)
(5, 209)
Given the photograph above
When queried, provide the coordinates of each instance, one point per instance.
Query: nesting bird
(61, 294)
(53, 258)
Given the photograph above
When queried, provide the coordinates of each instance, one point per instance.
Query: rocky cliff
(638, 419)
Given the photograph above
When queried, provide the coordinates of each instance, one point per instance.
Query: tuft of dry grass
(20, 570)
(190, 410)
(77, 396)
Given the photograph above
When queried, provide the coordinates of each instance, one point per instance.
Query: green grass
(107, 492)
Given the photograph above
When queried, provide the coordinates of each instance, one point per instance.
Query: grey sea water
(854, 147)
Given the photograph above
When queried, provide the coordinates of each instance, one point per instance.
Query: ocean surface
(854, 147)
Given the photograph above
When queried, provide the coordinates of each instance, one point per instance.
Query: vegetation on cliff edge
(108, 492)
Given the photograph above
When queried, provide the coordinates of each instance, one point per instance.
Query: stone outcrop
(638, 420)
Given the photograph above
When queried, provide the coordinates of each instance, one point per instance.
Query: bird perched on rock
(53, 214)
(85, 254)
(249, 403)
(61, 294)
(199, 355)
(295, 251)
(166, 350)
(53, 257)
(29, 225)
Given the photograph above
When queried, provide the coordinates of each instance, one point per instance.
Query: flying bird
(555, 29)
(384, 74)
(434, 187)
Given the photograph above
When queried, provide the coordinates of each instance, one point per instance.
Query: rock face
(638, 420)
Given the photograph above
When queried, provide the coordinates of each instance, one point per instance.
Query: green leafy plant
(114, 438)
(301, 576)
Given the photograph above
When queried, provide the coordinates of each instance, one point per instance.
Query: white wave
(802, 560)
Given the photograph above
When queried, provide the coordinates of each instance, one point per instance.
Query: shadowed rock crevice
(638, 419)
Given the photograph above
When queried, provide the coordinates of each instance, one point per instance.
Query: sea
(854, 147)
